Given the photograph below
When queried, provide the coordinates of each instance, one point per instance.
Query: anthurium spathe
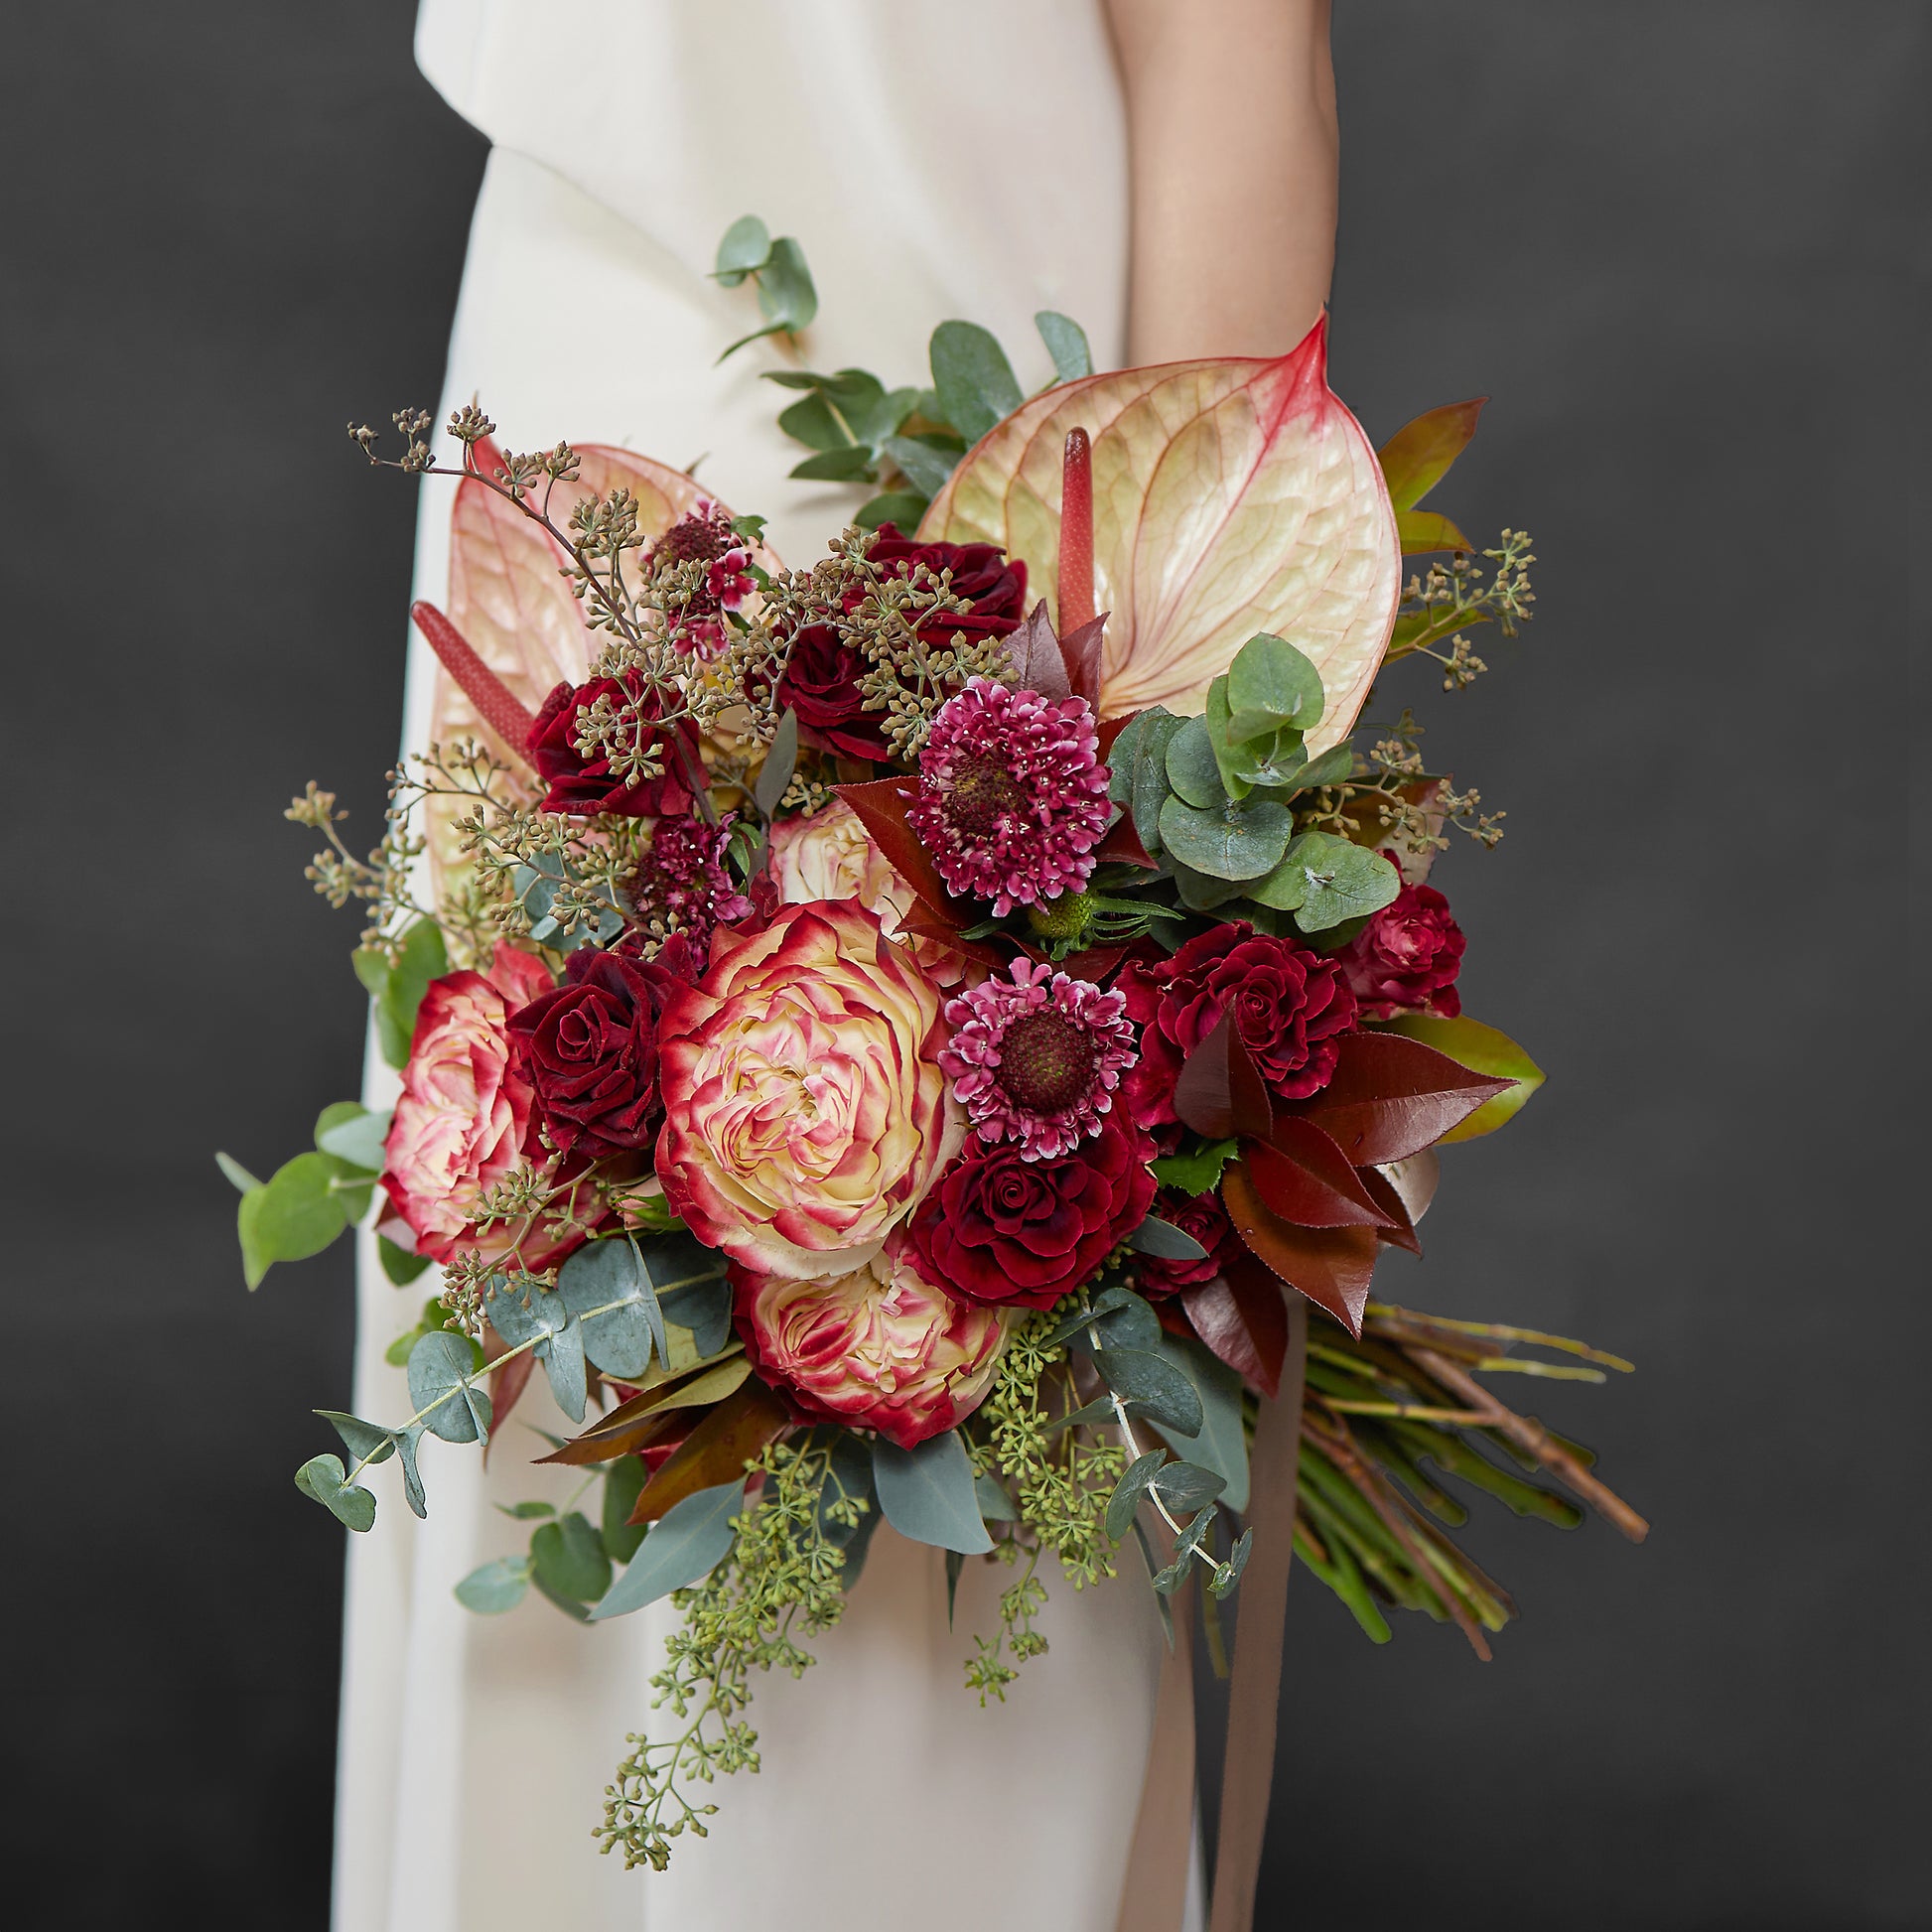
(1230, 497)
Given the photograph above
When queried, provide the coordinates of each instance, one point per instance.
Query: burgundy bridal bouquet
(944, 1034)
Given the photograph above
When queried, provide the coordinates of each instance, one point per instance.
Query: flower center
(1046, 1061)
(981, 794)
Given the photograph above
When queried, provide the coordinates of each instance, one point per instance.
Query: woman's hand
(1231, 132)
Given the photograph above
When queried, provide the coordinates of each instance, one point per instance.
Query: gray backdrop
(1672, 241)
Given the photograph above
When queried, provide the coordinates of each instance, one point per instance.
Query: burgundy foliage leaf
(1332, 1267)
(1220, 1092)
(1305, 1177)
(1241, 1316)
(1391, 1097)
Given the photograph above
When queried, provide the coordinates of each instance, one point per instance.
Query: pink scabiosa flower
(1036, 1058)
(1013, 796)
(681, 883)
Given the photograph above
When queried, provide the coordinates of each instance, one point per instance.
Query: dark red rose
(1405, 959)
(1200, 1215)
(1290, 1007)
(582, 785)
(589, 1049)
(821, 680)
(1002, 1230)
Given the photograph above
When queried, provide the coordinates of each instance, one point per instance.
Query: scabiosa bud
(682, 883)
(1035, 1057)
(1013, 796)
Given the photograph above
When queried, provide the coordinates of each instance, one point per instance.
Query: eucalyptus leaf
(746, 246)
(1228, 1574)
(927, 1493)
(972, 377)
(528, 1512)
(922, 464)
(1066, 344)
(358, 1139)
(900, 507)
(1128, 1323)
(1201, 892)
(441, 1367)
(1233, 842)
(1129, 1491)
(397, 990)
(1153, 1385)
(546, 1321)
(685, 1544)
(1272, 684)
(780, 761)
(787, 293)
(238, 1176)
(399, 1264)
(996, 1506)
(624, 1482)
(323, 1478)
(406, 1439)
(1323, 880)
(853, 464)
(1162, 1239)
(813, 422)
(1186, 1485)
(294, 1214)
(1193, 773)
(1330, 768)
(1139, 775)
(495, 1586)
(368, 1442)
(1220, 1443)
(569, 1558)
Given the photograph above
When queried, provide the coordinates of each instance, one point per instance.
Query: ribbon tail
(1154, 1891)
(1253, 1692)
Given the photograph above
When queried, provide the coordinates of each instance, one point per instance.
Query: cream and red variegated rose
(875, 1346)
(829, 855)
(805, 1110)
(463, 1119)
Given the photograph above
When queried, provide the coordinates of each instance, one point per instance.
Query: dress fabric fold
(934, 158)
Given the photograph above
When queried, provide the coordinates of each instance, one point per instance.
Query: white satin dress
(934, 158)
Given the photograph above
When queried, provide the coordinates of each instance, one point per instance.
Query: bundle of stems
(1370, 1519)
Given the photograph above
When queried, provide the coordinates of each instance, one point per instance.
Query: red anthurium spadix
(1230, 497)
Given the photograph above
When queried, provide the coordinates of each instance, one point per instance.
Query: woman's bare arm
(1231, 131)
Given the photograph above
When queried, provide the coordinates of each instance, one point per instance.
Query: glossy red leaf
(1220, 1092)
(1332, 1267)
(1033, 650)
(1122, 846)
(881, 804)
(1414, 1181)
(1392, 1097)
(1305, 1177)
(1082, 648)
(1241, 1316)
(715, 1450)
(1397, 1230)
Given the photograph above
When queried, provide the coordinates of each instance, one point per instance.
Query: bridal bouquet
(911, 1037)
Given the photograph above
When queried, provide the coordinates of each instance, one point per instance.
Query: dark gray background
(1672, 241)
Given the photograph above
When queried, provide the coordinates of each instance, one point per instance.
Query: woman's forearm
(1231, 129)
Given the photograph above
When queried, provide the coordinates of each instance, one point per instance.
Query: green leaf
(399, 1264)
(568, 1557)
(1198, 1172)
(780, 761)
(996, 1506)
(322, 1477)
(1323, 880)
(1220, 1443)
(441, 1367)
(1234, 842)
(1162, 1239)
(1271, 684)
(1417, 456)
(1153, 1385)
(1201, 892)
(1333, 766)
(624, 1482)
(854, 464)
(396, 992)
(528, 1512)
(616, 1288)
(1482, 1050)
(1228, 1574)
(1066, 344)
(1193, 773)
(1228, 760)
(495, 1586)
(1124, 1319)
(368, 1442)
(746, 246)
(405, 1440)
(1130, 1489)
(1138, 777)
(924, 461)
(239, 1176)
(898, 507)
(547, 1320)
(357, 1136)
(685, 1544)
(297, 1213)
(788, 298)
(817, 423)
(1186, 1485)
(927, 1493)
(975, 383)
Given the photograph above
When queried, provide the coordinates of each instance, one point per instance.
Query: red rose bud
(1200, 1215)
(1004, 1230)
(1291, 1006)
(589, 1050)
(584, 787)
(1405, 959)
(822, 673)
